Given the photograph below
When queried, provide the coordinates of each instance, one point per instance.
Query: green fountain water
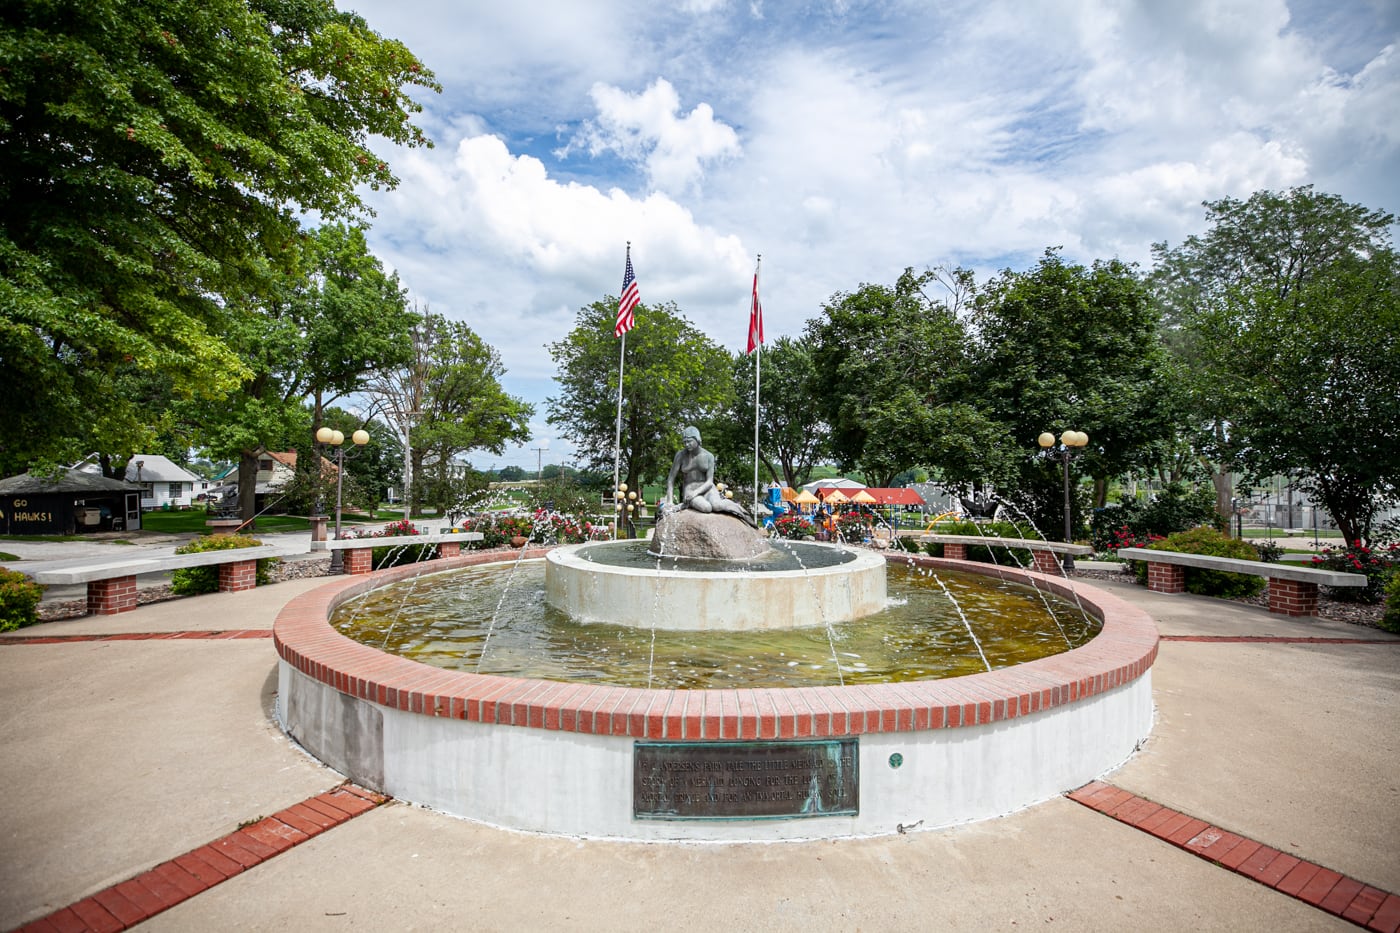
(444, 620)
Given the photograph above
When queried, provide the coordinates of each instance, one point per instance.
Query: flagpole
(757, 379)
(617, 441)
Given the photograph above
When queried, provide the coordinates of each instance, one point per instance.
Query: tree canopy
(155, 158)
(1284, 315)
(674, 375)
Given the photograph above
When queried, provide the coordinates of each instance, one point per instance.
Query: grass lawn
(191, 521)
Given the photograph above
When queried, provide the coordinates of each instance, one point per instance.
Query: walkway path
(123, 755)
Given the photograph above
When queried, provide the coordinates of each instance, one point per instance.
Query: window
(175, 491)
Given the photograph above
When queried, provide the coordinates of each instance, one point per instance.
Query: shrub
(795, 527)
(1376, 564)
(1390, 619)
(1176, 508)
(991, 553)
(191, 581)
(1205, 582)
(394, 554)
(19, 597)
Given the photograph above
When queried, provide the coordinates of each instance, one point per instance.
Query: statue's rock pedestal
(706, 536)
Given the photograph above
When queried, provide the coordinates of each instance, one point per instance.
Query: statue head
(691, 433)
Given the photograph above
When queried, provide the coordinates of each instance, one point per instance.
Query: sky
(844, 141)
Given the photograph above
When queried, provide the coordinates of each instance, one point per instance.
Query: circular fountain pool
(567, 757)
(495, 619)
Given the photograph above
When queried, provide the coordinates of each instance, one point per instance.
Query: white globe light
(324, 435)
(361, 438)
(621, 487)
(1046, 440)
(337, 438)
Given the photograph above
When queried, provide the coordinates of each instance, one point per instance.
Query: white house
(163, 483)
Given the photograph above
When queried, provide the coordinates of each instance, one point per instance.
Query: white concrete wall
(578, 784)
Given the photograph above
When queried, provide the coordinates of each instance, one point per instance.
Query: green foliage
(674, 376)
(1283, 319)
(1204, 582)
(1376, 564)
(794, 527)
(792, 436)
(1390, 620)
(191, 581)
(890, 379)
(1130, 524)
(988, 553)
(157, 159)
(19, 600)
(1063, 346)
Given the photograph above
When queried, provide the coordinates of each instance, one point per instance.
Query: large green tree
(1063, 346)
(792, 437)
(155, 158)
(890, 378)
(321, 331)
(1285, 317)
(445, 401)
(674, 375)
(1274, 243)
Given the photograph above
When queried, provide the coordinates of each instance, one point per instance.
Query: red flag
(755, 318)
(631, 297)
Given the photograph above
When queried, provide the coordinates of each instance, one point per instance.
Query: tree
(674, 375)
(445, 401)
(1316, 372)
(1275, 268)
(154, 161)
(791, 436)
(321, 331)
(1064, 346)
(889, 373)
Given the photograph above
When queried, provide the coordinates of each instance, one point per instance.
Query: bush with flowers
(1377, 564)
(793, 527)
(557, 528)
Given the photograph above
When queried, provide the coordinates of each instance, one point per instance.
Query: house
(164, 483)
(275, 470)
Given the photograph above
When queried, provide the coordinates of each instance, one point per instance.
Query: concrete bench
(111, 585)
(359, 559)
(1292, 590)
(1042, 552)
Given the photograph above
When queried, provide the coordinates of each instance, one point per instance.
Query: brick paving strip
(138, 899)
(1307, 881)
(1278, 640)
(137, 636)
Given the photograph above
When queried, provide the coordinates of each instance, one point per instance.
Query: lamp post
(336, 439)
(1071, 443)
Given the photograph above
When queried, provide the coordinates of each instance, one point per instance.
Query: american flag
(629, 300)
(755, 318)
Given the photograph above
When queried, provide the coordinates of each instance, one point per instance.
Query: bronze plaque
(745, 780)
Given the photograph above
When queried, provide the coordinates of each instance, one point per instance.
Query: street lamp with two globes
(1071, 444)
(336, 439)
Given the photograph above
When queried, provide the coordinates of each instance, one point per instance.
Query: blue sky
(847, 140)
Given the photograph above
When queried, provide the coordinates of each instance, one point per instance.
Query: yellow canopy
(790, 495)
(806, 498)
(863, 497)
(836, 496)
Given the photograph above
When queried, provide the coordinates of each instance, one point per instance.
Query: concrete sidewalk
(123, 754)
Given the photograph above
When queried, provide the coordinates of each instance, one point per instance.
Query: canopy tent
(863, 498)
(834, 497)
(789, 494)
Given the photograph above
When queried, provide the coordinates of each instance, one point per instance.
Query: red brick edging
(1123, 652)
(1309, 882)
(184, 635)
(137, 899)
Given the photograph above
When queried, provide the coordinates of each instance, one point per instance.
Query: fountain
(590, 757)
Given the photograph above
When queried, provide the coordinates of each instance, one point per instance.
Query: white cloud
(846, 140)
(646, 128)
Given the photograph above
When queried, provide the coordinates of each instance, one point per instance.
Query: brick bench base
(110, 596)
(1293, 597)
